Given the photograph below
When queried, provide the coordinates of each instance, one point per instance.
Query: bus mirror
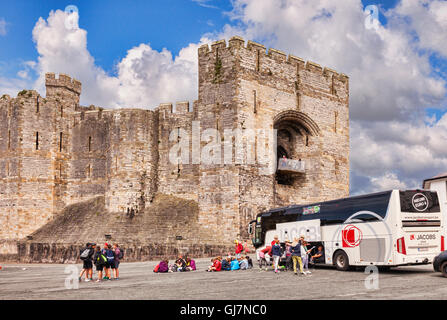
(250, 229)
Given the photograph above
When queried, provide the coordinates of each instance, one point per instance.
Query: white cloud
(145, 77)
(428, 20)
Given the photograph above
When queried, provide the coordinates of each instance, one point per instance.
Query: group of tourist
(180, 265)
(296, 252)
(106, 259)
(285, 258)
(230, 263)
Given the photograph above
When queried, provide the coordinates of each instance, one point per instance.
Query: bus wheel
(444, 269)
(341, 261)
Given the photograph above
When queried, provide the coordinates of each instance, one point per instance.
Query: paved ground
(34, 281)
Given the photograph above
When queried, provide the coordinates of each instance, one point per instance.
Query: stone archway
(293, 131)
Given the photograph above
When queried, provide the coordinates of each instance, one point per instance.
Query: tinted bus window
(338, 211)
(419, 201)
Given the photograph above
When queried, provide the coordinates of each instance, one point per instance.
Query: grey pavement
(137, 281)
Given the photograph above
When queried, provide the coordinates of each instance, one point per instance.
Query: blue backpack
(110, 256)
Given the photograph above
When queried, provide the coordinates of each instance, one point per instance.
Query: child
(180, 264)
(226, 264)
(100, 261)
(304, 256)
(190, 264)
(162, 267)
(243, 263)
(217, 265)
(235, 264)
(276, 253)
(238, 248)
(250, 262)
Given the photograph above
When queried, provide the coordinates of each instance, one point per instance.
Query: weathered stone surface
(55, 153)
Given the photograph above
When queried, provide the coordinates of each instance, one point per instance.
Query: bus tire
(444, 269)
(341, 261)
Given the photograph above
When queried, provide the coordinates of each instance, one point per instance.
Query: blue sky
(139, 53)
(114, 26)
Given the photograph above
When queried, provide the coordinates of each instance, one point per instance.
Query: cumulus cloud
(144, 77)
(393, 142)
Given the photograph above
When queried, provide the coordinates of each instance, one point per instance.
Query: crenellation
(254, 46)
(277, 55)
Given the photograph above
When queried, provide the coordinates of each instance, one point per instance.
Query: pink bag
(261, 255)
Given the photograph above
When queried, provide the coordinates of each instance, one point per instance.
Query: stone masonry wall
(55, 153)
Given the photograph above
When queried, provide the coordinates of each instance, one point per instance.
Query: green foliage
(217, 70)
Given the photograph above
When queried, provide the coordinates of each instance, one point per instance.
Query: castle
(55, 153)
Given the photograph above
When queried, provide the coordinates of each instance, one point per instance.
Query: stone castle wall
(55, 153)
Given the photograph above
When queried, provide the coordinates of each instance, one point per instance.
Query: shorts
(99, 267)
(88, 264)
(112, 264)
(117, 264)
(106, 265)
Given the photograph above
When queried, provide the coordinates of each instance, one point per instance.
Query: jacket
(163, 266)
(276, 250)
(296, 250)
(235, 265)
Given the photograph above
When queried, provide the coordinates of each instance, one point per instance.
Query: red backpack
(156, 268)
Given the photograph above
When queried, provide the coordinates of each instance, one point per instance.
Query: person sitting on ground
(162, 267)
(180, 264)
(250, 262)
(100, 261)
(226, 264)
(190, 264)
(234, 264)
(317, 257)
(217, 264)
(243, 263)
(266, 253)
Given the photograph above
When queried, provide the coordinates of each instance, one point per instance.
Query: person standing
(304, 256)
(238, 248)
(86, 255)
(118, 255)
(100, 261)
(296, 255)
(276, 253)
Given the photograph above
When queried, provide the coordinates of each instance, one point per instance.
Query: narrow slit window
(60, 142)
(62, 111)
(307, 141)
(89, 144)
(254, 101)
(9, 139)
(37, 105)
(258, 58)
(60, 170)
(37, 140)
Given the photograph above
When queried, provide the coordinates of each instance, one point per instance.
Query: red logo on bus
(351, 236)
(411, 236)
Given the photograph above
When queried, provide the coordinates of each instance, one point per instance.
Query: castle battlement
(64, 81)
(277, 55)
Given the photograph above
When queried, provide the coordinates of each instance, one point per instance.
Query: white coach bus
(388, 229)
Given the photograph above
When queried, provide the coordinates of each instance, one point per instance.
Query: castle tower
(242, 86)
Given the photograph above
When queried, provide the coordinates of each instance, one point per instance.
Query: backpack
(110, 256)
(101, 259)
(85, 253)
(121, 254)
(156, 268)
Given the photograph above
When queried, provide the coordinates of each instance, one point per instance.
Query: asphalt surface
(137, 281)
